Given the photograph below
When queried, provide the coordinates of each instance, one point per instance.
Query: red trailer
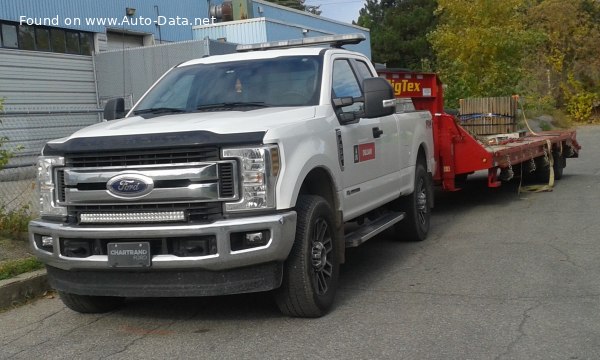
(458, 153)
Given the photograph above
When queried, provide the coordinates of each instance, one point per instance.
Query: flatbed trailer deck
(459, 153)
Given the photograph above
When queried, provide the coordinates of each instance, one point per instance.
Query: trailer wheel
(417, 206)
(560, 162)
(310, 277)
(90, 304)
(542, 174)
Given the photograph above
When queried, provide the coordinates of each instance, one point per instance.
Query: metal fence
(46, 96)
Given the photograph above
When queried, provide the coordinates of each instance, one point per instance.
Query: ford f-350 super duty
(235, 173)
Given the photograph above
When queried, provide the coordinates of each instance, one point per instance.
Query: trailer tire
(417, 207)
(542, 174)
(559, 164)
(311, 271)
(90, 304)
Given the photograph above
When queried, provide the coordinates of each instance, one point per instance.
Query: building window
(26, 37)
(72, 42)
(58, 40)
(43, 38)
(86, 41)
(9, 36)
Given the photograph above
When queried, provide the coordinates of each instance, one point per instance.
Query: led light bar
(131, 217)
(333, 40)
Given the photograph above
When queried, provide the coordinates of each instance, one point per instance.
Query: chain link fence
(24, 134)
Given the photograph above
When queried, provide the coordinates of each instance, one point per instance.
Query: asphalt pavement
(502, 276)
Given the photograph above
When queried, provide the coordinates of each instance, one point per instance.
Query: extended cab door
(370, 154)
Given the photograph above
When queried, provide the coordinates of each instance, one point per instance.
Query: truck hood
(219, 122)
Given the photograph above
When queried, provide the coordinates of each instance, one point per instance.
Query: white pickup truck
(232, 174)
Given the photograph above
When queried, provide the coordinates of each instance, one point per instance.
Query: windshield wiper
(158, 110)
(229, 105)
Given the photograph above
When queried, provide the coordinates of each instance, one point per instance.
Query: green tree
(565, 66)
(399, 31)
(298, 5)
(479, 45)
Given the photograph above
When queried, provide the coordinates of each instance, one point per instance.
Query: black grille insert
(60, 182)
(182, 246)
(144, 157)
(226, 185)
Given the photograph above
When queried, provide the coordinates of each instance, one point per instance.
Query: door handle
(377, 132)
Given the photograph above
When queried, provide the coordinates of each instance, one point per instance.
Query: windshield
(244, 85)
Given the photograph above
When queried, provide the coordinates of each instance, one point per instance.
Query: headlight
(259, 168)
(46, 166)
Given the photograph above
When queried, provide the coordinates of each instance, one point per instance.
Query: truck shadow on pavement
(364, 267)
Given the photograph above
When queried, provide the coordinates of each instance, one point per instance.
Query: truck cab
(235, 173)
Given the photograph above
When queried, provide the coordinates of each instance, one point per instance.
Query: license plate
(133, 254)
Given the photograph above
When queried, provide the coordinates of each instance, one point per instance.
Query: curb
(23, 287)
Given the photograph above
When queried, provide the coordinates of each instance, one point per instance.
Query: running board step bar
(367, 231)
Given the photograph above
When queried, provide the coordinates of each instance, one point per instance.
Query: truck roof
(263, 54)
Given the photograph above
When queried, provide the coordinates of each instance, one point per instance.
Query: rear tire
(90, 304)
(417, 206)
(311, 272)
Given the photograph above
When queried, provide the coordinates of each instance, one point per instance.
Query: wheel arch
(319, 181)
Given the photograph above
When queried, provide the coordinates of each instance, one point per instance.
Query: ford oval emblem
(130, 186)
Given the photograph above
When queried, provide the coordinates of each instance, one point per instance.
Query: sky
(341, 10)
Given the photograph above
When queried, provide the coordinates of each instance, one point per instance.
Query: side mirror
(343, 101)
(114, 109)
(379, 97)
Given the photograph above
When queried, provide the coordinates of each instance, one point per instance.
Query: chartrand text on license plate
(129, 254)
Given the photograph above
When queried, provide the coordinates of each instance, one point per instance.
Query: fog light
(248, 240)
(47, 241)
(254, 238)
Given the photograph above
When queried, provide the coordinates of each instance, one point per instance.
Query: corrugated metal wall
(240, 32)
(93, 9)
(131, 72)
(280, 23)
(40, 90)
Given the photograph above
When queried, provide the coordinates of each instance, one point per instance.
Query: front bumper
(282, 227)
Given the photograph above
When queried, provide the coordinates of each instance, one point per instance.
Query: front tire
(90, 304)
(417, 206)
(311, 272)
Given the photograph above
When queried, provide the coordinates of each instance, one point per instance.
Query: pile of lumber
(488, 116)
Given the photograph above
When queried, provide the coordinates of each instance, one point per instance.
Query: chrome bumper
(282, 227)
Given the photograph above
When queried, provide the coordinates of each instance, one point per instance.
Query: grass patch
(12, 268)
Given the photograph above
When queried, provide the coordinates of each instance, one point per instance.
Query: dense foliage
(544, 50)
(399, 31)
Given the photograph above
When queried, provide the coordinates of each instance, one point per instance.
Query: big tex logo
(405, 86)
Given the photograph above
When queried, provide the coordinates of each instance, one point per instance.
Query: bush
(581, 105)
(579, 100)
(15, 221)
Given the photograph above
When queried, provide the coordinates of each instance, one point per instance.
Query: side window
(363, 70)
(344, 84)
